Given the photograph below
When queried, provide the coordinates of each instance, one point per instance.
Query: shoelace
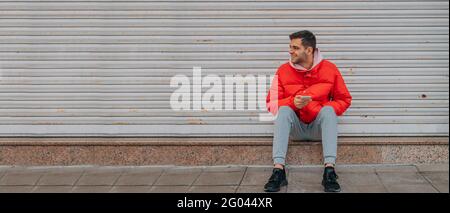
(331, 177)
(275, 176)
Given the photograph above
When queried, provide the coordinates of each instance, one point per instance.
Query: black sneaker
(276, 181)
(329, 181)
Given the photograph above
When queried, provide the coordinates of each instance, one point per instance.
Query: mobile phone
(305, 98)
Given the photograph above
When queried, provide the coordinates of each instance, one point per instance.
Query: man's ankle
(278, 166)
(329, 165)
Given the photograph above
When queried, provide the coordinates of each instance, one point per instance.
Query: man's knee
(327, 111)
(285, 112)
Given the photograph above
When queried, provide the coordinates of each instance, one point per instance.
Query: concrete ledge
(216, 141)
(215, 151)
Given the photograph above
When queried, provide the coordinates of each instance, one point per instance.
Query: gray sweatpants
(287, 125)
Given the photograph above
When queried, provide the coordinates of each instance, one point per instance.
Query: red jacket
(323, 82)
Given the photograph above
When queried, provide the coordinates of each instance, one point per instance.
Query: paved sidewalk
(304, 179)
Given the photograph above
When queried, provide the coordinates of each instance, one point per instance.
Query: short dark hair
(307, 37)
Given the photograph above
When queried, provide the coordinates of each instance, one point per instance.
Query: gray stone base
(215, 151)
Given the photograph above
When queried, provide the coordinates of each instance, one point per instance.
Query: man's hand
(300, 103)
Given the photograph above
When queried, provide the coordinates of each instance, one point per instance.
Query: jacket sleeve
(277, 97)
(340, 96)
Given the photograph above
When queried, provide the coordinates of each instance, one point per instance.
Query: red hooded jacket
(323, 82)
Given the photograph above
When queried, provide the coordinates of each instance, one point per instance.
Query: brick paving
(419, 178)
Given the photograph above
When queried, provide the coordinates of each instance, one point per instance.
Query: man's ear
(309, 50)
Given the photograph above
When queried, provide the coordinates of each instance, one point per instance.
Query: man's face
(299, 54)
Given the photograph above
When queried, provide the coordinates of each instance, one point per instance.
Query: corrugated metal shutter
(103, 67)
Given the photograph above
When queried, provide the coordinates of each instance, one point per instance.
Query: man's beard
(299, 59)
(296, 60)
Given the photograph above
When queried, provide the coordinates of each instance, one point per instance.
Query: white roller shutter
(103, 67)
